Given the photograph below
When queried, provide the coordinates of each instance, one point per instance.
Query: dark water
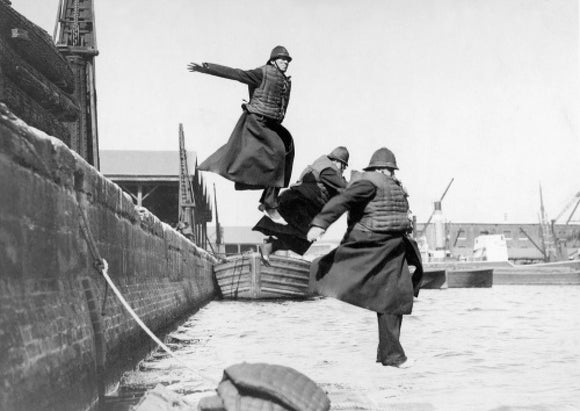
(508, 347)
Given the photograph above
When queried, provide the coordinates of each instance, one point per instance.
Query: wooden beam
(150, 192)
(140, 195)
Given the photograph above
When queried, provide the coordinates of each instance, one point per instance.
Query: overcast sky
(483, 91)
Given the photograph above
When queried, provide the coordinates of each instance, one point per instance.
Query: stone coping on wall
(52, 159)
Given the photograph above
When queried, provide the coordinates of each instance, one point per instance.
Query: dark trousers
(390, 351)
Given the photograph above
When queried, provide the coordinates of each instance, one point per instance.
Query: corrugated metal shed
(141, 163)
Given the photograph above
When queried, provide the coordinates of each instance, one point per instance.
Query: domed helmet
(340, 153)
(279, 51)
(382, 158)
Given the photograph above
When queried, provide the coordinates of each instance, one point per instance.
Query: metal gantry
(194, 201)
(573, 203)
(186, 196)
(75, 37)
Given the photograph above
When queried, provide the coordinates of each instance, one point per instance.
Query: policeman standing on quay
(260, 151)
(370, 266)
(289, 223)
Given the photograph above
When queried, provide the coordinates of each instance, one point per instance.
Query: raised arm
(252, 78)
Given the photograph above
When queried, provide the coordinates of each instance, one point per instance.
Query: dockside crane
(195, 209)
(436, 207)
(575, 202)
(75, 36)
(440, 235)
(551, 246)
(219, 242)
(547, 233)
(186, 195)
(560, 243)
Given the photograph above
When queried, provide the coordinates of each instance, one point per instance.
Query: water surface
(506, 347)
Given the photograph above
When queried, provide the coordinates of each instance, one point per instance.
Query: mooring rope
(105, 274)
(102, 267)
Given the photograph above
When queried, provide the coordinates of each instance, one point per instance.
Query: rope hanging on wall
(102, 267)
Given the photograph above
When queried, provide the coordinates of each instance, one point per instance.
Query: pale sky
(483, 91)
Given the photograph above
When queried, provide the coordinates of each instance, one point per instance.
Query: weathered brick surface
(47, 339)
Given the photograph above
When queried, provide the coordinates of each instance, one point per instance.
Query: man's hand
(193, 67)
(315, 233)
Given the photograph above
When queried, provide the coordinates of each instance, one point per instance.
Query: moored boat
(470, 278)
(434, 279)
(555, 273)
(245, 276)
(460, 274)
(507, 273)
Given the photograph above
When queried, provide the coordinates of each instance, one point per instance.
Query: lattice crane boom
(186, 193)
(573, 202)
(76, 38)
(433, 212)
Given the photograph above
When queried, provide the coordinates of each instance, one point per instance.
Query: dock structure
(36, 81)
(195, 205)
(65, 229)
(523, 240)
(75, 37)
(153, 180)
(55, 306)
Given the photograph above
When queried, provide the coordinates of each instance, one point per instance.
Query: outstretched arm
(250, 77)
(194, 67)
(358, 193)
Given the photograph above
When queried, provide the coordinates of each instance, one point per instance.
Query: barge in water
(245, 276)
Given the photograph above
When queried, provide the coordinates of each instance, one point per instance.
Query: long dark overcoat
(299, 205)
(298, 210)
(258, 154)
(371, 270)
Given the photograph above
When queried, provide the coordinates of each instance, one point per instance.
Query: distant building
(151, 178)
(524, 241)
(237, 239)
(241, 239)
(520, 239)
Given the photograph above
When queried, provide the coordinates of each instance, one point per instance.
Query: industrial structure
(458, 241)
(523, 240)
(70, 235)
(162, 183)
(75, 37)
(545, 241)
(36, 81)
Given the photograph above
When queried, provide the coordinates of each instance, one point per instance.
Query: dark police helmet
(340, 153)
(382, 158)
(279, 51)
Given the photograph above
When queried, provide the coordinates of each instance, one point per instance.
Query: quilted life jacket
(270, 98)
(314, 169)
(387, 211)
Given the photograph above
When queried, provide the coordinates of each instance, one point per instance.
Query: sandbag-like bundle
(265, 387)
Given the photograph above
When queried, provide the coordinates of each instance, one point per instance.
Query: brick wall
(50, 294)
